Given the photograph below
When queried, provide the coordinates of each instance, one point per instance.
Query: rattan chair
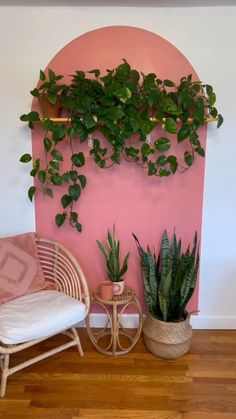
(61, 268)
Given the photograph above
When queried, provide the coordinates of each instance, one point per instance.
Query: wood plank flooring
(200, 385)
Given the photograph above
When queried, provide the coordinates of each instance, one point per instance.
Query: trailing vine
(125, 106)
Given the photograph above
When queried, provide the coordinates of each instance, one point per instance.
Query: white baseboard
(197, 322)
(213, 322)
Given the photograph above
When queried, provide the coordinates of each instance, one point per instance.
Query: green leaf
(153, 98)
(42, 175)
(220, 120)
(47, 143)
(52, 97)
(212, 99)
(56, 154)
(149, 81)
(123, 94)
(78, 227)
(25, 158)
(74, 191)
(170, 106)
(151, 169)
(35, 92)
(96, 144)
(116, 158)
(162, 160)
(33, 172)
(82, 180)
(170, 125)
(168, 83)
(48, 125)
(58, 131)
(48, 191)
(173, 163)
(78, 159)
(146, 149)
(107, 79)
(74, 216)
(73, 174)
(52, 75)
(213, 112)
(66, 201)
(183, 133)
(37, 164)
(200, 151)
(199, 115)
(56, 179)
(54, 164)
(65, 177)
(102, 248)
(123, 71)
(115, 113)
(164, 172)
(96, 72)
(209, 89)
(42, 75)
(162, 144)
(186, 100)
(90, 121)
(60, 219)
(188, 158)
(31, 192)
(101, 163)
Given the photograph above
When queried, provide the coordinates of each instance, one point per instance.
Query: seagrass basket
(166, 339)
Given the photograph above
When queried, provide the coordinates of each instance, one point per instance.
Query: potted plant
(169, 282)
(114, 268)
(125, 106)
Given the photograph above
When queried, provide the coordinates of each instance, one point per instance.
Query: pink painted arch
(125, 195)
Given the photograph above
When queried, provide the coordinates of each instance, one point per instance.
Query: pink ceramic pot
(118, 287)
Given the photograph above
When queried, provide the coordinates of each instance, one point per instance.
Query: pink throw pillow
(20, 269)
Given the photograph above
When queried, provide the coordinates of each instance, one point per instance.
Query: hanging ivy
(125, 106)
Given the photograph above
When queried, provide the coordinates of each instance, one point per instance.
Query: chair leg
(5, 370)
(75, 333)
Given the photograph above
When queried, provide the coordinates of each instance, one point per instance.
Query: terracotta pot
(118, 287)
(167, 339)
(106, 290)
(48, 109)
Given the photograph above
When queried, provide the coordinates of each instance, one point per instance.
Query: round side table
(113, 329)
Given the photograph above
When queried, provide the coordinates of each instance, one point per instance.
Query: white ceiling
(131, 3)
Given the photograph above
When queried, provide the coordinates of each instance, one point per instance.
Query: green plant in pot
(169, 282)
(115, 269)
(123, 106)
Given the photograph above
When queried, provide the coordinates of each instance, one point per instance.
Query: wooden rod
(151, 119)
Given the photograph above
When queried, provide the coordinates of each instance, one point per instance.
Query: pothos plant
(125, 106)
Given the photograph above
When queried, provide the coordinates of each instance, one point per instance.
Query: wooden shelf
(152, 119)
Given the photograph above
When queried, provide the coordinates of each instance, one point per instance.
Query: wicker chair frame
(60, 267)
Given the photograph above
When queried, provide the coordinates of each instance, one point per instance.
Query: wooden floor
(201, 385)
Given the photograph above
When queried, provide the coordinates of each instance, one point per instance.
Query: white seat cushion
(38, 315)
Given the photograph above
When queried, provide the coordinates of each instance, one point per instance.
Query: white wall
(31, 36)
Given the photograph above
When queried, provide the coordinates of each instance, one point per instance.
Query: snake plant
(112, 257)
(170, 278)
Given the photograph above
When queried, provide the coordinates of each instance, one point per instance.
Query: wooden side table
(114, 330)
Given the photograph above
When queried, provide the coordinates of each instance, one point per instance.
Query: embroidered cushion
(20, 269)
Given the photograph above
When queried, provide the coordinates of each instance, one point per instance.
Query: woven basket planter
(165, 339)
